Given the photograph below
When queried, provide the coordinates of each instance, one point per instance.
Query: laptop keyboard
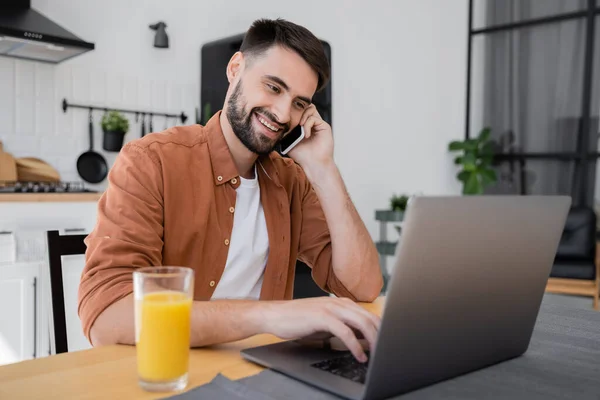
(346, 367)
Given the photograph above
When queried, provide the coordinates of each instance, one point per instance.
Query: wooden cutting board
(8, 166)
(31, 169)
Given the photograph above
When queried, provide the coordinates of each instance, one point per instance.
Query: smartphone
(290, 140)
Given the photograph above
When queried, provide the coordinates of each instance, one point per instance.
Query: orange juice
(163, 337)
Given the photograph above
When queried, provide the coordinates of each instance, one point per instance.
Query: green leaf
(398, 203)
(469, 161)
(463, 176)
(484, 135)
(207, 112)
(458, 160)
(456, 145)
(469, 158)
(488, 176)
(487, 149)
(486, 161)
(471, 144)
(114, 121)
(472, 185)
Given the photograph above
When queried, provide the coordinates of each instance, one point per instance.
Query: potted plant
(115, 126)
(398, 203)
(475, 162)
(396, 211)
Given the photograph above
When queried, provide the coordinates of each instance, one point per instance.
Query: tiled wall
(32, 122)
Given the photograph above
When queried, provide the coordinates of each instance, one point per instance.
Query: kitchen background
(394, 65)
(399, 77)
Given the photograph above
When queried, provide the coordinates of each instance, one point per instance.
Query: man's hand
(299, 318)
(316, 149)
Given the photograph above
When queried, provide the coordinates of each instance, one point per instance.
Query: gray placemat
(282, 387)
(562, 362)
(223, 389)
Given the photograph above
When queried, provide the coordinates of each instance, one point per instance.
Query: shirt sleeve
(315, 242)
(128, 233)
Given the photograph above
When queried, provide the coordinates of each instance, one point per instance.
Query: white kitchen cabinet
(20, 323)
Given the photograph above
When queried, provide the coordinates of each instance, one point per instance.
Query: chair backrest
(578, 241)
(304, 284)
(58, 246)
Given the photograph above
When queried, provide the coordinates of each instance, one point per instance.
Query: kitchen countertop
(49, 197)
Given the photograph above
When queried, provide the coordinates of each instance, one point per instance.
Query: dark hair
(265, 33)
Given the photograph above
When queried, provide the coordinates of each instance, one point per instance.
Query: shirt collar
(224, 169)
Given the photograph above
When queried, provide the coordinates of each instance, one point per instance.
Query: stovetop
(43, 187)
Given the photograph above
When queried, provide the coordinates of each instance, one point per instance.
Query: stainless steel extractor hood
(27, 34)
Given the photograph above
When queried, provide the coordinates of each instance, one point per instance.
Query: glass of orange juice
(163, 304)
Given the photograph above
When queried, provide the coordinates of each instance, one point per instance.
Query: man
(219, 200)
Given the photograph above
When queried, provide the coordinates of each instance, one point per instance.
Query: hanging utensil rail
(66, 105)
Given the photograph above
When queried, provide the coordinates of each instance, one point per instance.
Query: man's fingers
(359, 321)
(345, 334)
(375, 319)
(311, 110)
(308, 126)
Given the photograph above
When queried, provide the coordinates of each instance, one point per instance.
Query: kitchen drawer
(48, 216)
(29, 222)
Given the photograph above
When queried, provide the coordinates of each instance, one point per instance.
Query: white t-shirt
(248, 246)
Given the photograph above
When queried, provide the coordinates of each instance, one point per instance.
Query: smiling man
(219, 200)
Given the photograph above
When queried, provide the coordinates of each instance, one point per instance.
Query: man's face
(269, 96)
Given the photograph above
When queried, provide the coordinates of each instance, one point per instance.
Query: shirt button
(234, 181)
(231, 209)
(226, 242)
(219, 178)
(212, 283)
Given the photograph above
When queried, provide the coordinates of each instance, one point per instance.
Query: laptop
(465, 292)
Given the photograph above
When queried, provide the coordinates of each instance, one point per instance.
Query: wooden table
(110, 372)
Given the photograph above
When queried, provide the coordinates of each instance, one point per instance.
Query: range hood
(27, 34)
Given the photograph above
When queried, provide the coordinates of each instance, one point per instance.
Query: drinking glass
(163, 303)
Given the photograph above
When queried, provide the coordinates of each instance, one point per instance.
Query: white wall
(399, 77)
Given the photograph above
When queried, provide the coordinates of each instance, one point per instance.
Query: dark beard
(241, 124)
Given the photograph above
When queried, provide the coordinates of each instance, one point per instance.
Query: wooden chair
(576, 268)
(59, 246)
